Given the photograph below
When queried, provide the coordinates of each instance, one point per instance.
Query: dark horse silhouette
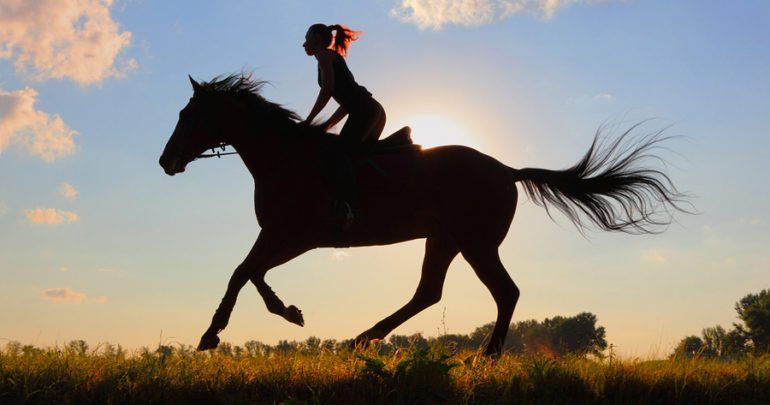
(458, 199)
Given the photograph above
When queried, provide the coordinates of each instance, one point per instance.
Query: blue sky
(523, 82)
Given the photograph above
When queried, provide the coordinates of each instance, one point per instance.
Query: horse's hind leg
(438, 255)
(488, 267)
(268, 252)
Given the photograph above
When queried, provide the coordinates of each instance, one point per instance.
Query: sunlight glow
(431, 130)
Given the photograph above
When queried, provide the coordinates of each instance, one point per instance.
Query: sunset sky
(97, 243)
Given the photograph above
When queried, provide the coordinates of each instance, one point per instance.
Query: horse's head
(222, 111)
(200, 127)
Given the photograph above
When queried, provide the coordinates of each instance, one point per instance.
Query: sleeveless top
(346, 92)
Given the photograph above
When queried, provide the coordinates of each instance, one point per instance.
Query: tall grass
(416, 375)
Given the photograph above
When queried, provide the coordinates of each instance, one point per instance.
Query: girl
(329, 45)
(366, 117)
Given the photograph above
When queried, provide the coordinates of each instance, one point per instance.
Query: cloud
(3, 209)
(50, 216)
(435, 14)
(339, 255)
(67, 191)
(604, 97)
(56, 39)
(42, 135)
(656, 256)
(102, 299)
(753, 221)
(63, 295)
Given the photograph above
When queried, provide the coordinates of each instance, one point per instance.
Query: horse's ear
(195, 84)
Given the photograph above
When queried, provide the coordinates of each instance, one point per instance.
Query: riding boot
(347, 206)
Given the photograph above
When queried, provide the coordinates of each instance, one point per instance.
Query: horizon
(96, 238)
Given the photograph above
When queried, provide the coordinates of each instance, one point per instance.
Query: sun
(431, 130)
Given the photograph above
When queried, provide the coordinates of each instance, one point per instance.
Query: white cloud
(339, 255)
(67, 191)
(62, 295)
(434, 14)
(603, 97)
(50, 216)
(48, 137)
(56, 39)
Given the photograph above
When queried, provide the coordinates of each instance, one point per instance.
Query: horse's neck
(266, 153)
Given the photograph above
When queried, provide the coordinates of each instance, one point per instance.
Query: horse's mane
(242, 86)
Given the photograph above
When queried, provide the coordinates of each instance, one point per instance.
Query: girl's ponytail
(343, 36)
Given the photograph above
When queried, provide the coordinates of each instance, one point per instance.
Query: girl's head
(322, 36)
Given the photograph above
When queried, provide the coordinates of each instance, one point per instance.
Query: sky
(97, 243)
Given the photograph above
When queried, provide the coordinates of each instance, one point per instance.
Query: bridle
(216, 153)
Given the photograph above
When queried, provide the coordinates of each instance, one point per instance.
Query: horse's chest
(288, 205)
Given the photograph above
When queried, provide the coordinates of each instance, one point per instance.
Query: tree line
(557, 336)
(750, 336)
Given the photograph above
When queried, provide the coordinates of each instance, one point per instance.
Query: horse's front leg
(269, 251)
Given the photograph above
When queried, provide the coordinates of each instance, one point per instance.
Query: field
(106, 375)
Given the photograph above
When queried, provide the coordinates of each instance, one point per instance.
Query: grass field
(107, 375)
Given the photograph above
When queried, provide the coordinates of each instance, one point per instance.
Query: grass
(106, 375)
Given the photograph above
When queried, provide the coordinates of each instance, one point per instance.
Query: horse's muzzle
(171, 165)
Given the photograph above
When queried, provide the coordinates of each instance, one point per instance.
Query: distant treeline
(752, 336)
(556, 336)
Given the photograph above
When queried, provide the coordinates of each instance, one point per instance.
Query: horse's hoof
(294, 315)
(208, 342)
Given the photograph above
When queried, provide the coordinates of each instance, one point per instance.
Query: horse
(459, 200)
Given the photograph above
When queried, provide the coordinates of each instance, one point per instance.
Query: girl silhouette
(366, 117)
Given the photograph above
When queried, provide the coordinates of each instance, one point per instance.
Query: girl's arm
(336, 117)
(325, 60)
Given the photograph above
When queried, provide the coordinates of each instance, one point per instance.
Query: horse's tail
(609, 186)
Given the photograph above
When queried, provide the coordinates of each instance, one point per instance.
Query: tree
(312, 344)
(77, 347)
(733, 344)
(225, 349)
(480, 335)
(577, 334)
(690, 346)
(557, 336)
(754, 311)
(714, 341)
(256, 348)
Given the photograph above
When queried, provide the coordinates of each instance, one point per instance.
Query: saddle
(397, 140)
(387, 163)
